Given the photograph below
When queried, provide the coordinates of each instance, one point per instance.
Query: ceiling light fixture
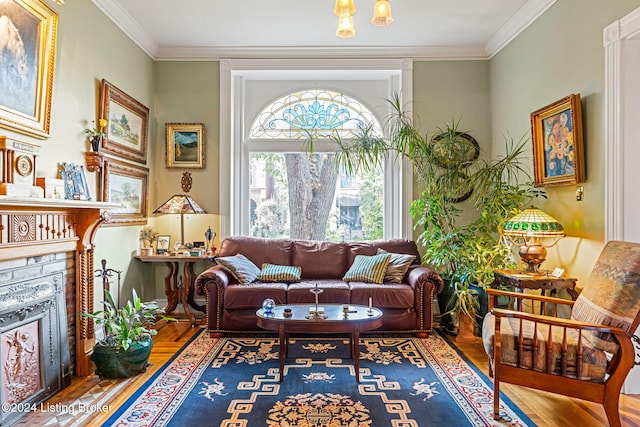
(382, 14)
(345, 10)
(345, 25)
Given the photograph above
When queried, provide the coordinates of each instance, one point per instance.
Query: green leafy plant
(127, 325)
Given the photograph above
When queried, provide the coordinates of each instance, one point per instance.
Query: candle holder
(316, 313)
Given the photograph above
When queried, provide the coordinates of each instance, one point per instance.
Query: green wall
(559, 54)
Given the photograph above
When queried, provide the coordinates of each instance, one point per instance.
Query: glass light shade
(532, 223)
(382, 13)
(345, 26)
(344, 5)
(180, 204)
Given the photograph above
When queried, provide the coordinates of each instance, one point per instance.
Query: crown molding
(415, 52)
(524, 17)
(128, 25)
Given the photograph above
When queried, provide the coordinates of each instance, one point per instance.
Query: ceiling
(213, 29)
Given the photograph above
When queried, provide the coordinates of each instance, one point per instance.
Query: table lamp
(181, 204)
(526, 230)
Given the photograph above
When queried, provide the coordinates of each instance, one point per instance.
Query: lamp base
(533, 255)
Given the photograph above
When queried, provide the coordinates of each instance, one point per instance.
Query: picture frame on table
(162, 245)
(558, 154)
(127, 185)
(28, 28)
(127, 124)
(185, 145)
(75, 182)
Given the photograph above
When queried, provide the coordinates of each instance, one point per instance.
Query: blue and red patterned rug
(233, 381)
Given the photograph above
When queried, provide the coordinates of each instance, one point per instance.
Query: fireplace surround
(46, 279)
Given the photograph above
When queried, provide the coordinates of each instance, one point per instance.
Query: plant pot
(445, 303)
(114, 362)
(483, 300)
(466, 328)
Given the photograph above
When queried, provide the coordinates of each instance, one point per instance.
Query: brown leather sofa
(231, 306)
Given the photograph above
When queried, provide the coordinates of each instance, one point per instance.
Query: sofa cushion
(369, 269)
(398, 246)
(279, 273)
(258, 250)
(389, 295)
(397, 267)
(240, 267)
(319, 260)
(238, 297)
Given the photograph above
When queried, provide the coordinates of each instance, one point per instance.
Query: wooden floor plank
(545, 409)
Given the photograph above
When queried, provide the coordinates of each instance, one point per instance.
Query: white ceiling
(213, 29)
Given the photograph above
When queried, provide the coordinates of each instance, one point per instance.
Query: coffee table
(359, 319)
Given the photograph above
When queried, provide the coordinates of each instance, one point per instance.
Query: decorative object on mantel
(53, 187)
(18, 164)
(181, 204)
(75, 183)
(95, 161)
(96, 134)
(526, 229)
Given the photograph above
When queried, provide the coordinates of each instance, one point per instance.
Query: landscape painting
(185, 145)
(125, 185)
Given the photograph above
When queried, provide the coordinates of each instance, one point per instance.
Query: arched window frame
(234, 119)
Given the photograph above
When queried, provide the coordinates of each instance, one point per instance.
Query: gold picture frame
(127, 185)
(185, 145)
(127, 124)
(28, 31)
(558, 157)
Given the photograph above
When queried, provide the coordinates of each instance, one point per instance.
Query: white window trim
(233, 198)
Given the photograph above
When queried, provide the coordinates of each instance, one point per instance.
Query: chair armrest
(215, 275)
(419, 275)
(554, 321)
(519, 297)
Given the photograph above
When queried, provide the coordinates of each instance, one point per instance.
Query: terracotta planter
(466, 328)
(114, 362)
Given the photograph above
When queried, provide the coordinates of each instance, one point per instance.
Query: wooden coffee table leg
(284, 344)
(355, 352)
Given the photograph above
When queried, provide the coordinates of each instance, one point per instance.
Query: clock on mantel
(18, 168)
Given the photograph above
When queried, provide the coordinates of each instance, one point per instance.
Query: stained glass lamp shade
(527, 229)
(382, 14)
(180, 204)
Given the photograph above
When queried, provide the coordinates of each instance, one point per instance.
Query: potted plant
(463, 201)
(124, 349)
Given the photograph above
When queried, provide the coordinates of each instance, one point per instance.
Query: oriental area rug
(234, 381)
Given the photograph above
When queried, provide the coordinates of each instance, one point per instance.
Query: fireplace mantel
(32, 227)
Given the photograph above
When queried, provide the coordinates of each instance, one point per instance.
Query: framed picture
(126, 185)
(185, 145)
(127, 124)
(162, 246)
(558, 157)
(28, 30)
(75, 182)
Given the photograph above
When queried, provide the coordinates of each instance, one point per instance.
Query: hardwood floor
(545, 409)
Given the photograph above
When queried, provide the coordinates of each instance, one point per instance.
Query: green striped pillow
(279, 273)
(369, 269)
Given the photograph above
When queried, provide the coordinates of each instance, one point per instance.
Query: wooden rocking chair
(587, 356)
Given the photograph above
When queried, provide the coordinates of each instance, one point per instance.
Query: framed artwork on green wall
(185, 145)
(125, 184)
(557, 143)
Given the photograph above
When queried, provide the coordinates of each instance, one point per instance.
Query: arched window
(306, 195)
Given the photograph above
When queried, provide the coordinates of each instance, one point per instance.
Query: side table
(520, 281)
(176, 290)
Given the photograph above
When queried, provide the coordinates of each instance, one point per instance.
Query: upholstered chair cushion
(611, 295)
(368, 269)
(240, 267)
(594, 361)
(397, 267)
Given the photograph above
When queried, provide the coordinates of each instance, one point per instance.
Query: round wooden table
(333, 321)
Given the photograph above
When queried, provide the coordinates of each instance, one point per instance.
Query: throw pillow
(369, 269)
(279, 273)
(398, 266)
(240, 267)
